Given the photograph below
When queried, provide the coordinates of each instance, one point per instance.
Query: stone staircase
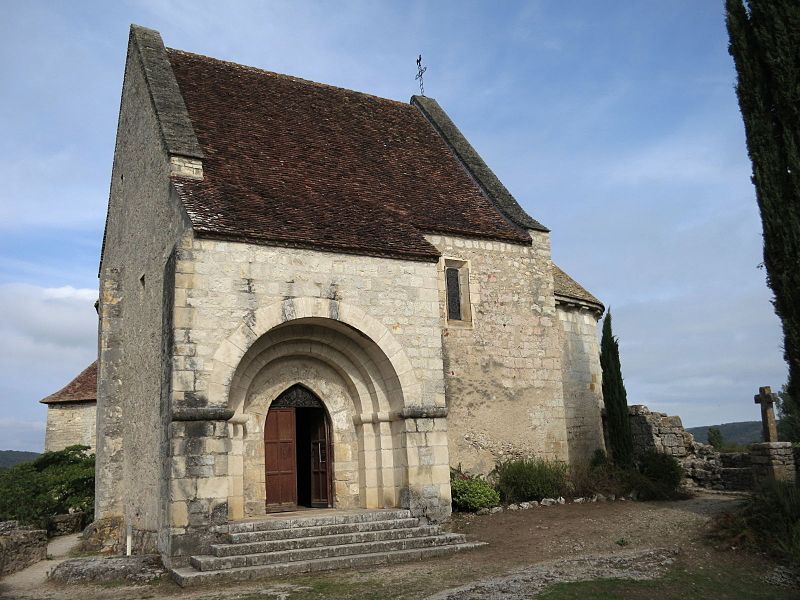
(275, 547)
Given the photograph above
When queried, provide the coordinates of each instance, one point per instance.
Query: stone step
(215, 563)
(187, 576)
(300, 532)
(357, 537)
(334, 518)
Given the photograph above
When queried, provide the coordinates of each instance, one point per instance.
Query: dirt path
(32, 579)
(527, 549)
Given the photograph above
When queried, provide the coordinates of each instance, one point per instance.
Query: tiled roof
(81, 389)
(567, 287)
(299, 163)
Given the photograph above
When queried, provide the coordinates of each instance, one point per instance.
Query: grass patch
(718, 578)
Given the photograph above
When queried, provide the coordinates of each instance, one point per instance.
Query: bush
(773, 512)
(659, 476)
(54, 483)
(472, 493)
(769, 520)
(531, 479)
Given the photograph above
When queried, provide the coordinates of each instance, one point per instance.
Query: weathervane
(420, 71)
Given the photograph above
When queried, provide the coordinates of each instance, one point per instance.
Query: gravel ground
(527, 549)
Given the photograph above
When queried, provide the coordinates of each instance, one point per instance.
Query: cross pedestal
(767, 399)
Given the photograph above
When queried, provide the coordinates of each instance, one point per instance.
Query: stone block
(212, 487)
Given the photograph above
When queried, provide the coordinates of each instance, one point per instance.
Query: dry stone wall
(772, 460)
(71, 423)
(665, 434)
(20, 547)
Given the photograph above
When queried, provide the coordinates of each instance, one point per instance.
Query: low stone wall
(737, 472)
(20, 547)
(773, 460)
(663, 433)
(66, 524)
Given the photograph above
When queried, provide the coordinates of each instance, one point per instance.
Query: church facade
(313, 297)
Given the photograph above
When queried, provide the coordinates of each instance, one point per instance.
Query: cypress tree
(619, 442)
(765, 45)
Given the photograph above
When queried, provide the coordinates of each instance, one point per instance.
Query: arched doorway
(297, 452)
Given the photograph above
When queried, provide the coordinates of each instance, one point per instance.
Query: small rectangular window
(453, 294)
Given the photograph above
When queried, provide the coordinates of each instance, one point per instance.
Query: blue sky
(615, 124)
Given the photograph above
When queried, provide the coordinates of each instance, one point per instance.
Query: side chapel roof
(81, 389)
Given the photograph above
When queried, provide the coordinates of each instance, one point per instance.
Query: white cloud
(49, 336)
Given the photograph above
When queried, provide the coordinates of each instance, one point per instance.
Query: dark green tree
(765, 45)
(715, 437)
(620, 442)
(52, 484)
(788, 417)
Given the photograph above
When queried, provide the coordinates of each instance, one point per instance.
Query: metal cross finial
(420, 71)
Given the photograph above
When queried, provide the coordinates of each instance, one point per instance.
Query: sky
(615, 124)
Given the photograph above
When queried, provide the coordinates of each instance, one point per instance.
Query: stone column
(428, 491)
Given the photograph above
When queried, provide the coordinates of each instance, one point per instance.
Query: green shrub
(531, 479)
(658, 477)
(472, 493)
(52, 484)
(773, 512)
(599, 459)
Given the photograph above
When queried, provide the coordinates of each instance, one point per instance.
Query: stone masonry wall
(582, 377)
(145, 220)
(772, 460)
(221, 286)
(70, 423)
(503, 369)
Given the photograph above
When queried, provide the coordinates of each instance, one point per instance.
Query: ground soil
(528, 552)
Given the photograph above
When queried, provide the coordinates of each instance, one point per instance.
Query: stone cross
(766, 399)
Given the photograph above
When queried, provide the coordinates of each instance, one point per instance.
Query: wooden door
(280, 459)
(320, 461)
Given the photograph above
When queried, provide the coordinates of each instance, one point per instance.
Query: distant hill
(744, 432)
(9, 458)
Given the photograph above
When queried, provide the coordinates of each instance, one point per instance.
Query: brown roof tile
(81, 389)
(567, 287)
(299, 163)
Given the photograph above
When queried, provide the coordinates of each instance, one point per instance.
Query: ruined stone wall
(144, 222)
(665, 434)
(70, 423)
(582, 377)
(20, 547)
(503, 367)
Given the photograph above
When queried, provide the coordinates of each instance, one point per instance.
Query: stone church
(312, 297)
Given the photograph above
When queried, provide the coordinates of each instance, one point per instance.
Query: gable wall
(503, 371)
(70, 423)
(144, 222)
